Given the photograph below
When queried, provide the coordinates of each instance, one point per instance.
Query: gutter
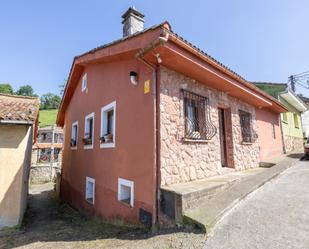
(18, 122)
(302, 105)
(156, 78)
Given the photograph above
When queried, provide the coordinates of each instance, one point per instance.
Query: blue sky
(261, 40)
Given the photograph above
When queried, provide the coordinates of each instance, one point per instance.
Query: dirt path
(48, 224)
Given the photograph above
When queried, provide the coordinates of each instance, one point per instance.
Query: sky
(262, 40)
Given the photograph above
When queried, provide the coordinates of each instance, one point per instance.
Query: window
(88, 136)
(84, 82)
(285, 117)
(296, 121)
(198, 125)
(90, 188)
(74, 135)
(108, 125)
(126, 191)
(273, 127)
(245, 125)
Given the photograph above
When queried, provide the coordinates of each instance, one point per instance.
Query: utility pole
(52, 152)
(292, 81)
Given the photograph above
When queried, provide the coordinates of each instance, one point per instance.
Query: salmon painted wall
(270, 146)
(133, 157)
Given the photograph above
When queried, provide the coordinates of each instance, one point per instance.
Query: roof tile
(18, 108)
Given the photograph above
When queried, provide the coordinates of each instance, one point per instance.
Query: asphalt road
(275, 216)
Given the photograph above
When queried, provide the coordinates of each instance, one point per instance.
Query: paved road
(276, 216)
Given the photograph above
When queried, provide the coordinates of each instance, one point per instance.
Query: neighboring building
(290, 121)
(18, 126)
(305, 117)
(41, 151)
(43, 169)
(150, 110)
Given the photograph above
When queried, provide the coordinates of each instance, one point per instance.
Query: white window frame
(91, 115)
(89, 179)
(73, 124)
(127, 183)
(84, 82)
(104, 110)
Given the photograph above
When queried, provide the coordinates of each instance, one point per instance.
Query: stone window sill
(187, 140)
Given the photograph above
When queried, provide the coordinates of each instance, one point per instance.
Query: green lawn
(47, 117)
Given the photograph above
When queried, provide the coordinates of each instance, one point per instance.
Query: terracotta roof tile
(18, 108)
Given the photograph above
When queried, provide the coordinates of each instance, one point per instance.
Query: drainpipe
(156, 79)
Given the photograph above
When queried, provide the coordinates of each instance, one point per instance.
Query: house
(305, 117)
(290, 121)
(48, 146)
(18, 126)
(151, 110)
(41, 150)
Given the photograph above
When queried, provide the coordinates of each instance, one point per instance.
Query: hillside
(47, 117)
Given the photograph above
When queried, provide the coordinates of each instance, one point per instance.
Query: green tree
(26, 90)
(6, 88)
(50, 101)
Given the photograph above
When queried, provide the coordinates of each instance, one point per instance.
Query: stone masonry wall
(187, 161)
(293, 144)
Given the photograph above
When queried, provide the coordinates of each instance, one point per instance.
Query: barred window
(246, 127)
(198, 125)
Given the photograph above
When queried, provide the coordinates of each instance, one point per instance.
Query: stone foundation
(42, 173)
(293, 143)
(187, 161)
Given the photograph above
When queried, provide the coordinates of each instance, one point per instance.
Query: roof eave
(17, 122)
(293, 100)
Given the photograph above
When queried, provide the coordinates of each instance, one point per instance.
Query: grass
(47, 117)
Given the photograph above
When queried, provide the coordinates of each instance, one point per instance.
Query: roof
(282, 90)
(106, 51)
(305, 99)
(291, 98)
(91, 51)
(18, 109)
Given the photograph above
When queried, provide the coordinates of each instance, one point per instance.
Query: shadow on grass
(46, 219)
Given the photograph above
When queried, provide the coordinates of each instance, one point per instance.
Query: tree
(26, 90)
(6, 88)
(50, 101)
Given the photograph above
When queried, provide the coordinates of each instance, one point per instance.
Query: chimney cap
(132, 10)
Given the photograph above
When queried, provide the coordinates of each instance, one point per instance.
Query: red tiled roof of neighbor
(18, 109)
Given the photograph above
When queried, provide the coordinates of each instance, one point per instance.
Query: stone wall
(183, 161)
(42, 173)
(293, 144)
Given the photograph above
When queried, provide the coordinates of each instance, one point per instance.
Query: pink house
(151, 110)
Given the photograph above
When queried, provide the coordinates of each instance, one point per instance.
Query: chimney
(133, 21)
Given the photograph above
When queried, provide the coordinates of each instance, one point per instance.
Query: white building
(305, 118)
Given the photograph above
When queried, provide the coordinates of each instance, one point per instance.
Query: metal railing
(198, 125)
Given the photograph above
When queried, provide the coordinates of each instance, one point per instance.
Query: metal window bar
(247, 133)
(198, 125)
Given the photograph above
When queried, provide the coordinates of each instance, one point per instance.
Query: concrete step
(210, 211)
(179, 198)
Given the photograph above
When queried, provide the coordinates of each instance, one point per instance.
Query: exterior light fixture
(133, 78)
